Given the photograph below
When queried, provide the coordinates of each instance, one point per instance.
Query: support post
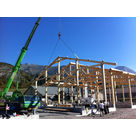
(63, 95)
(83, 92)
(46, 88)
(130, 93)
(104, 82)
(115, 92)
(112, 90)
(72, 94)
(77, 82)
(70, 69)
(123, 94)
(59, 82)
(97, 88)
(109, 94)
(36, 91)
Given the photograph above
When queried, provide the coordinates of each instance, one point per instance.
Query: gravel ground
(121, 113)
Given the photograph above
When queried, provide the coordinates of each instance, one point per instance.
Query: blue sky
(109, 39)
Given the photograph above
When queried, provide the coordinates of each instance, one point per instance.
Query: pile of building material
(36, 116)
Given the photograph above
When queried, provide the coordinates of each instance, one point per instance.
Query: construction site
(80, 87)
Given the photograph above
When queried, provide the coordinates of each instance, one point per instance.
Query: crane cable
(68, 47)
(62, 40)
(53, 51)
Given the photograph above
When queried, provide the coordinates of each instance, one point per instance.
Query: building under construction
(84, 78)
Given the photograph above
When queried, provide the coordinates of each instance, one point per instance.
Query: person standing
(106, 107)
(101, 107)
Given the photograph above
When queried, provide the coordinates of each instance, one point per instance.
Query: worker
(106, 107)
(101, 107)
(93, 106)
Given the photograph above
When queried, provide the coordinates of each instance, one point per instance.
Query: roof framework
(93, 77)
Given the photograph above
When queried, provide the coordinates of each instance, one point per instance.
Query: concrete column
(104, 82)
(112, 90)
(123, 93)
(130, 93)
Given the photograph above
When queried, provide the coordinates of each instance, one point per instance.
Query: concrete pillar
(112, 90)
(130, 93)
(104, 82)
(123, 93)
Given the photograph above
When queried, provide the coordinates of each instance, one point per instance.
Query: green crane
(18, 63)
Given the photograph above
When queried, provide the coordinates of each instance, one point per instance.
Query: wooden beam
(85, 60)
(112, 90)
(97, 88)
(46, 89)
(59, 83)
(123, 93)
(109, 94)
(104, 82)
(63, 95)
(115, 92)
(77, 82)
(72, 100)
(130, 93)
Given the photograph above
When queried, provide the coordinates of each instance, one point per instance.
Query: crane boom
(20, 58)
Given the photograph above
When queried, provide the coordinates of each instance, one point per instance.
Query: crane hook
(59, 35)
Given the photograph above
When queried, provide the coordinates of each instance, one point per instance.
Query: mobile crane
(18, 100)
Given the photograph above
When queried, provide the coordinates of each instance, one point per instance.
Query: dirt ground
(121, 113)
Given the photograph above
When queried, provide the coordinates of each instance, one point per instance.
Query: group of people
(102, 106)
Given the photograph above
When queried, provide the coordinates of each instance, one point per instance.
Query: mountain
(32, 68)
(27, 73)
(35, 70)
(5, 71)
(124, 68)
